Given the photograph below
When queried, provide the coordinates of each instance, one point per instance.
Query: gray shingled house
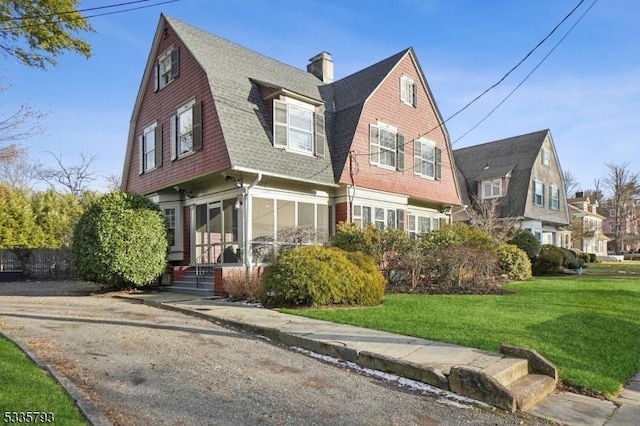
(523, 173)
(246, 155)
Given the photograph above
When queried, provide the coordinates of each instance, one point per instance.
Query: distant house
(523, 175)
(245, 154)
(627, 237)
(586, 225)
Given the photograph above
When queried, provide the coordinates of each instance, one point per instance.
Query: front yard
(588, 325)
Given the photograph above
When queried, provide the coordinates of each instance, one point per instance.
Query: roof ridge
(502, 140)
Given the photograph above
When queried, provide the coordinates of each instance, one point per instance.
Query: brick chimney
(321, 66)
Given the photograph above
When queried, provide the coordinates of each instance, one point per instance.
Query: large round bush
(121, 241)
(526, 241)
(513, 261)
(314, 276)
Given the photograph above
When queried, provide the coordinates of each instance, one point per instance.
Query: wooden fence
(42, 264)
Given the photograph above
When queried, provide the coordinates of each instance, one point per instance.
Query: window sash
(185, 131)
(425, 155)
(492, 188)
(538, 191)
(555, 198)
(149, 149)
(407, 90)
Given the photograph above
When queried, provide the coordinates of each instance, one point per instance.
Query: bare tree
(595, 194)
(624, 188)
(74, 178)
(19, 172)
(571, 184)
(485, 215)
(114, 183)
(21, 125)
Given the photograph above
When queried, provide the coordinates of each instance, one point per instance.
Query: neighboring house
(245, 154)
(523, 175)
(586, 223)
(629, 233)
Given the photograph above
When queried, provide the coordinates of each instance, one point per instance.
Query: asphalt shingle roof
(516, 154)
(234, 73)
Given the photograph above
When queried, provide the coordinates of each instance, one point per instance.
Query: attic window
(386, 146)
(491, 188)
(168, 68)
(546, 157)
(408, 91)
(298, 127)
(427, 159)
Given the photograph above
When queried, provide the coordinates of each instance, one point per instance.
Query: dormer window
(167, 68)
(407, 91)
(298, 127)
(491, 188)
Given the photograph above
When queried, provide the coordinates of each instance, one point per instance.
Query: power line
(19, 18)
(528, 75)
(89, 16)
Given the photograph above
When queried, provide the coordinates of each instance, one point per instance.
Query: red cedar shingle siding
(160, 106)
(342, 212)
(412, 122)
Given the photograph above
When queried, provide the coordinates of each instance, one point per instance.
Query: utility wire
(529, 74)
(89, 16)
(19, 18)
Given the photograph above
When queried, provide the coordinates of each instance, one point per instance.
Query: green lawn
(26, 388)
(588, 325)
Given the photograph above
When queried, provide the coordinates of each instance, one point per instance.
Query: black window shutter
(400, 152)
(438, 175)
(173, 136)
(320, 134)
(141, 153)
(415, 95)
(374, 144)
(175, 62)
(197, 126)
(158, 147)
(156, 77)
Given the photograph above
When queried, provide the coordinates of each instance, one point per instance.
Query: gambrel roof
(515, 156)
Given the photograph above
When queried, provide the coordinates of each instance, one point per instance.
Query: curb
(88, 409)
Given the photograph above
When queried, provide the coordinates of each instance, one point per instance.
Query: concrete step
(531, 389)
(203, 292)
(508, 370)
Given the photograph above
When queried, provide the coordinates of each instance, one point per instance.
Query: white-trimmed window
(298, 127)
(170, 218)
(386, 146)
(491, 188)
(186, 129)
(419, 224)
(554, 198)
(407, 91)
(150, 148)
(427, 158)
(361, 215)
(546, 157)
(538, 193)
(168, 68)
(380, 217)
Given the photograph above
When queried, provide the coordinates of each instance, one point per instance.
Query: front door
(216, 233)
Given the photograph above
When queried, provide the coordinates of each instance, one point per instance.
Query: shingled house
(523, 174)
(245, 154)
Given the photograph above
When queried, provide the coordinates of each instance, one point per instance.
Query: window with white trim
(554, 198)
(546, 157)
(298, 127)
(150, 148)
(422, 224)
(386, 146)
(538, 193)
(382, 217)
(491, 188)
(407, 91)
(170, 218)
(186, 129)
(427, 158)
(168, 68)
(361, 215)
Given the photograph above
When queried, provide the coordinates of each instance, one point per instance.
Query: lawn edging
(88, 409)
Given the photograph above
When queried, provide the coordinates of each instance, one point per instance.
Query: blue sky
(587, 92)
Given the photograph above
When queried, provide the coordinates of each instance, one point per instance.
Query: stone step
(508, 370)
(531, 389)
(203, 292)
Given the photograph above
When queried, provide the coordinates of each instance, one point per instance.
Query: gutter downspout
(245, 219)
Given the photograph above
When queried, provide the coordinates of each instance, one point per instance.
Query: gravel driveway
(143, 365)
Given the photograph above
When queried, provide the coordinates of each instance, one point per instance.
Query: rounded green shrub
(455, 234)
(526, 241)
(513, 261)
(315, 276)
(549, 260)
(121, 241)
